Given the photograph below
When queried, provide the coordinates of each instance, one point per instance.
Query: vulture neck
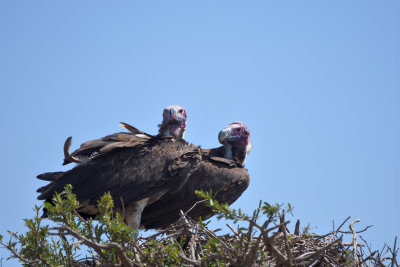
(163, 131)
(235, 153)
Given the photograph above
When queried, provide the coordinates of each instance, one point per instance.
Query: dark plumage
(173, 125)
(221, 171)
(154, 176)
(135, 167)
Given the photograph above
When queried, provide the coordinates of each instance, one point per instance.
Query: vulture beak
(177, 118)
(176, 123)
(172, 112)
(223, 134)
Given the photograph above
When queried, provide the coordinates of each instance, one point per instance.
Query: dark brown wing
(225, 178)
(131, 173)
(97, 147)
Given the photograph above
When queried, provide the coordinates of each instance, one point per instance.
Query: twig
(297, 228)
(316, 253)
(96, 246)
(194, 205)
(394, 253)
(357, 232)
(288, 251)
(355, 258)
(16, 255)
(233, 230)
(194, 262)
(281, 259)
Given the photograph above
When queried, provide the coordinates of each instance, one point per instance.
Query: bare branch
(355, 258)
(96, 246)
(186, 259)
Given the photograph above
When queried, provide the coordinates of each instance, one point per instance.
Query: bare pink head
(236, 134)
(174, 121)
(236, 140)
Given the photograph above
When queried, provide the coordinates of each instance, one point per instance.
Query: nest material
(263, 247)
(269, 244)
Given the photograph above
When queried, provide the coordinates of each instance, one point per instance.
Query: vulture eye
(238, 129)
(180, 111)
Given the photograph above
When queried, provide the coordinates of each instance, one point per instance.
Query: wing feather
(102, 145)
(132, 172)
(226, 179)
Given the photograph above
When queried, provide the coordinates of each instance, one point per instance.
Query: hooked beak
(223, 134)
(176, 118)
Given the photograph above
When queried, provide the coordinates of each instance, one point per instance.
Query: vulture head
(174, 122)
(236, 140)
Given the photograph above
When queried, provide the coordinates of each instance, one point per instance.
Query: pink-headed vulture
(221, 170)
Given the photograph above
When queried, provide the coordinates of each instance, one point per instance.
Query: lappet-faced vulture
(136, 168)
(221, 170)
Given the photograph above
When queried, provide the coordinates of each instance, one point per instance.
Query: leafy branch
(259, 239)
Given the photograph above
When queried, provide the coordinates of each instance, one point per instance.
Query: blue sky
(317, 83)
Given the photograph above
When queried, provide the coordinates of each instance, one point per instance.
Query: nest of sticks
(272, 245)
(268, 244)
